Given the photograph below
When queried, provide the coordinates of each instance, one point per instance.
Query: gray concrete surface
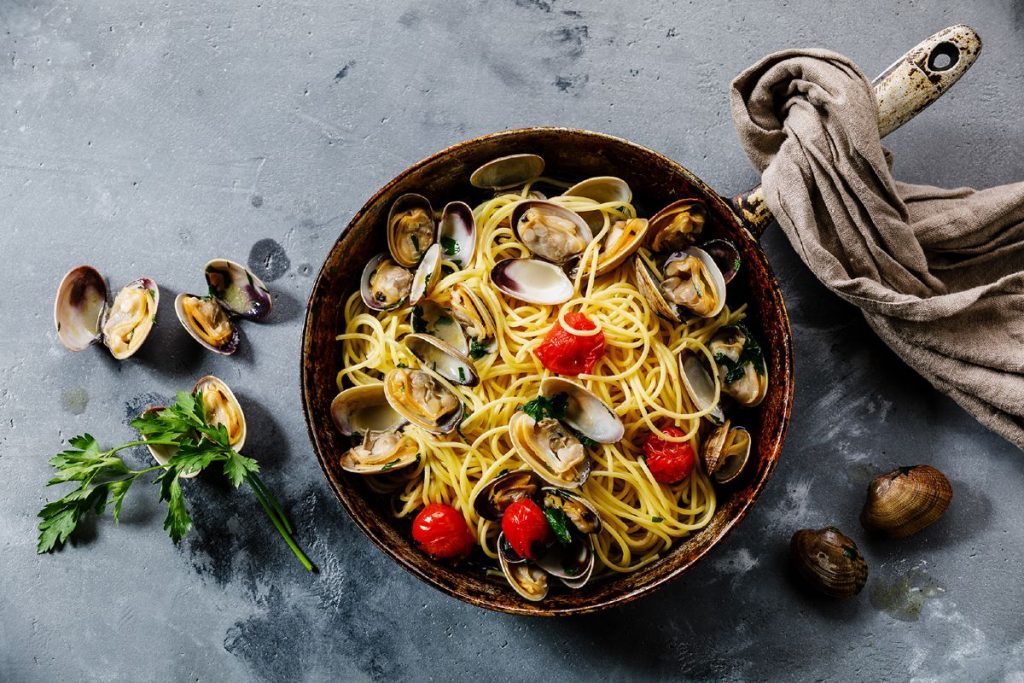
(148, 137)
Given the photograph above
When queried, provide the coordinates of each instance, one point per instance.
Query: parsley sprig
(103, 477)
(556, 407)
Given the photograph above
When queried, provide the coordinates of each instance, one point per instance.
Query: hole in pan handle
(902, 91)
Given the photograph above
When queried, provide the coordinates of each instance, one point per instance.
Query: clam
(621, 242)
(385, 285)
(700, 385)
(497, 494)
(365, 412)
(238, 289)
(207, 322)
(551, 232)
(726, 256)
(906, 500)
(526, 578)
(677, 226)
(442, 358)
(411, 229)
(420, 398)
(741, 365)
(726, 452)
(685, 281)
(579, 510)
(584, 411)
(426, 276)
(476, 319)
(603, 190)
(514, 170)
(160, 452)
(551, 450)
(429, 317)
(828, 561)
(532, 281)
(82, 315)
(457, 233)
(572, 563)
(222, 408)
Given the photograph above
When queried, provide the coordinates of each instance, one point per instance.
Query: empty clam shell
(238, 289)
(584, 411)
(78, 309)
(551, 232)
(410, 229)
(906, 500)
(222, 408)
(457, 233)
(509, 171)
(532, 281)
(700, 385)
(726, 256)
(207, 322)
(428, 272)
(828, 561)
(442, 358)
(385, 285)
(364, 408)
(603, 190)
(573, 563)
(430, 317)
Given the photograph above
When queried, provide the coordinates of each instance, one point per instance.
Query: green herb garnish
(477, 350)
(751, 353)
(559, 523)
(657, 520)
(450, 246)
(462, 374)
(103, 477)
(542, 407)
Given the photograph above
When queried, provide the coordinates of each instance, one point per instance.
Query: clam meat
(238, 289)
(741, 365)
(385, 285)
(222, 408)
(677, 226)
(550, 231)
(207, 322)
(411, 229)
(423, 400)
(380, 444)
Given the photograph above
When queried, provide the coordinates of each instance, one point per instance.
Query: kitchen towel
(938, 273)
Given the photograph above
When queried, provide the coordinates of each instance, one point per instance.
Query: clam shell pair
(364, 412)
(221, 407)
(585, 414)
(233, 292)
(83, 315)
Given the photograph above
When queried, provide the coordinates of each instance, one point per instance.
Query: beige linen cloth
(938, 274)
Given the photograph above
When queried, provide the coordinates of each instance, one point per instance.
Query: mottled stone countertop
(145, 138)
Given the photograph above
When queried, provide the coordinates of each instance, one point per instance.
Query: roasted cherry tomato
(670, 462)
(526, 528)
(441, 531)
(571, 354)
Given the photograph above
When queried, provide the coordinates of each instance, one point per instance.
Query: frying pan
(908, 86)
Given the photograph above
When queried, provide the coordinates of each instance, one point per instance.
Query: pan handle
(902, 91)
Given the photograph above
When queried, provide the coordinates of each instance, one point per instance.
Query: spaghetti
(638, 376)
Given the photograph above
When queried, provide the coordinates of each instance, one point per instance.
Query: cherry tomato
(670, 462)
(571, 354)
(526, 528)
(441, 531)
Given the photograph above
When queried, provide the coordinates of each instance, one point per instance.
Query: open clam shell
(385, 285)
(496, 495)
(678, 226)
(129, 319)
(726, 256)
(420, 398)
(567, 467)
(726, 452)
(79, 306)
(222, 408)
(741, 365)
(238, 289)
(533, 281)
(603, 190)
(411, 229)
(573, 564)
(428, 272)
(380, 453)
(207, 322)
(364, 408)
(700, 385)
(514, 170)
(430, 317)
(580, 511)
(550, 231)
(457, 233)
(584, 411)
(688, 282)
(621, 242)
(475, 317)
(442, 358)
(526, 578)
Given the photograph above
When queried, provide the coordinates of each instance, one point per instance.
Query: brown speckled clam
(906, 500)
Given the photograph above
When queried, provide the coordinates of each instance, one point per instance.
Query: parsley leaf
(477, 349)
(450, 246)
(559, 523)
(542, 407)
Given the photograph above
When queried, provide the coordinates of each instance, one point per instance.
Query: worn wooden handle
(902, 91)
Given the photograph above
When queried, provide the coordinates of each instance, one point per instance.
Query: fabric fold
(938, 273)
